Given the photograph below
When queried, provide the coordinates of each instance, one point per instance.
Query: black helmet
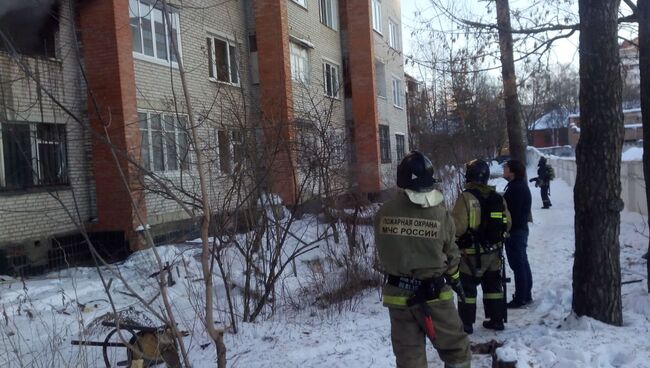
(415, 172)
(542, 161)
(477, 171)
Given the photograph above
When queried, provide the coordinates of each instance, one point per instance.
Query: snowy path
(539, 336)
(42, 315)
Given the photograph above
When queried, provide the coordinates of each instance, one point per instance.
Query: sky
(563, 51)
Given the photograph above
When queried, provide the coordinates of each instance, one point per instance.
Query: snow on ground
(633, 154)
(43, 314)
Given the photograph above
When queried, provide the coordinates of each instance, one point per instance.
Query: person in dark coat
(543, 181)
(518, 198)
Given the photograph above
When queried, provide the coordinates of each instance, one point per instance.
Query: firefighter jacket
(467, 210)
(415, 241)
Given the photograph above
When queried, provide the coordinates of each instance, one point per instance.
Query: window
(33, 154)
(384, 143)
(231, 150)
(400, 146)
(380, 78)
(302, 3)
(331, 79)
(299, 63)
(149, 31)
(376, 15)
(398, 98)
(222, 61)
(164, 145)
(393, 35)
(328, 13)
(30, 34)
(307, 143)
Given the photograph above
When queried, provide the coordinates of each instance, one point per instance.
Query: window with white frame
(331, 79)
(380, 78)
(400, 146)
(149, 31)
(398, 94)
(393, 34)
(32, 155)
(231, 150)
(302, 3)
(329, 13)
(299, 63)
(384, 143)
(376, 15)
(222, 60)
(164, 145)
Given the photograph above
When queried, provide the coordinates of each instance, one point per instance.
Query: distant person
(543, 179)
(518, 198)
(414, 235)
(482, 221)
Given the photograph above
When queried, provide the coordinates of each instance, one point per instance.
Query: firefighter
(482, 220)
(414, 235)
(545, 174)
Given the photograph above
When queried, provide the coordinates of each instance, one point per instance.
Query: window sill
(330, 28)
(214, 80)
(386, 162)
(153, 60)
(398, 107)
(35, 190)
(382, 97)
(332, 97)
(52, 59)
(378, 32)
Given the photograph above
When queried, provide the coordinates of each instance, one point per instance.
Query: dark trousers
(546, 201)
(516, 246)
(489, 277)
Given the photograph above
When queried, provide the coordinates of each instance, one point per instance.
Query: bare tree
(643, 11)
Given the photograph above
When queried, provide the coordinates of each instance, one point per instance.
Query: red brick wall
(272, 34)
(108, 60)
(550, 137)
(356, 24)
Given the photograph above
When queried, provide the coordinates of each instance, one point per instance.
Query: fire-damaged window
(30, 27)
(33, 154)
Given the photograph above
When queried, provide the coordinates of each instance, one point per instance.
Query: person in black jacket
(543, 181)
(518, 198)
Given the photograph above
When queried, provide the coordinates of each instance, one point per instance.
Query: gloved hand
(454, 281)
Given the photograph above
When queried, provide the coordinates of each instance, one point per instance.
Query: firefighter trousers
(488, 275)
(409, 339)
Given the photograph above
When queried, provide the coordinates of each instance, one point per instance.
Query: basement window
(32, 155)
(30, 27)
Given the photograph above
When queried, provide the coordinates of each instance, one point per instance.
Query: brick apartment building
(109, 65)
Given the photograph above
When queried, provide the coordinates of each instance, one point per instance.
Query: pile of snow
(633, 154)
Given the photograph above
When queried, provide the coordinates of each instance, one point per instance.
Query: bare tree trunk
(597, 192)
(516, 143)
(643, 11)
(215, 335)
